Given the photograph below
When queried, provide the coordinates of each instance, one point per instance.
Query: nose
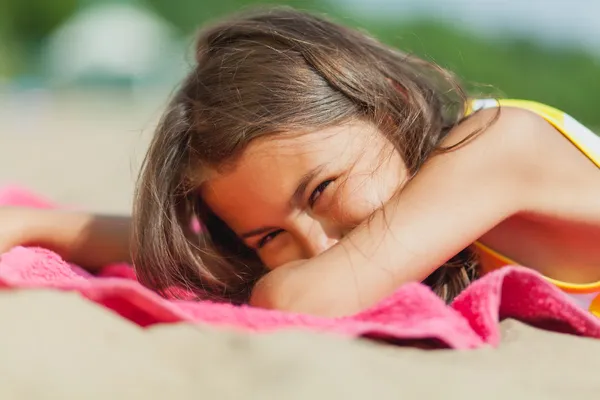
(317, 239)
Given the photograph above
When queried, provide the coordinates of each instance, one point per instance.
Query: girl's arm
(454, 199)
(88, 240)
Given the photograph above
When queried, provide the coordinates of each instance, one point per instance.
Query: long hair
(267, 73)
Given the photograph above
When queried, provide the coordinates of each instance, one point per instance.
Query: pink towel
(412, 313)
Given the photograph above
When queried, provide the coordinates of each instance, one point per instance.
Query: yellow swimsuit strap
(581, 137)
(580, 288)
(584, 139)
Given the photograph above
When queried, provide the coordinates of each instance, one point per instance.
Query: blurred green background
(64, 45)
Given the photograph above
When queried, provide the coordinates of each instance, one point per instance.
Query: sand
(85, 150)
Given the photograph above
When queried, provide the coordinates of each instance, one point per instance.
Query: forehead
(257, 189)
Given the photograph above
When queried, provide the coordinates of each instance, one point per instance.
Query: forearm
(88, 240)
(454, 200)
(417, 231)
(378, 257)
(391, 250)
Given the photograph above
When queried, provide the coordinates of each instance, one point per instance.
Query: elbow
(273, 294)
(276, 292)
(268, 294)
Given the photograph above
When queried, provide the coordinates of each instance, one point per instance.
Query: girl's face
(291, 197)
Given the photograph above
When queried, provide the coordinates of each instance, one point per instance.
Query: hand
(273, 290)
(312, 287)
(88, 240)
(17, 227)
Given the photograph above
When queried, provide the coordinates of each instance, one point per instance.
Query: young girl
(326, 170)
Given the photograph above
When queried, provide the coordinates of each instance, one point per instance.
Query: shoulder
(528, 149)
(502, 135)
(515, 128)
(501, 149)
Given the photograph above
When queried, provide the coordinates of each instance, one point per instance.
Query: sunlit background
(92, 72)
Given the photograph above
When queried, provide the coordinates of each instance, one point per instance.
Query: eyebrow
(296, 198)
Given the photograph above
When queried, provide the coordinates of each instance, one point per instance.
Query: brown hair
(265, 73)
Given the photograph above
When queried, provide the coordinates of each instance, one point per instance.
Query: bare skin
(328, 257)
(89, 240)
(357, 172)
(501, 188)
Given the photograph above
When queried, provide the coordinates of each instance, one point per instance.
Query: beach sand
(84, 150)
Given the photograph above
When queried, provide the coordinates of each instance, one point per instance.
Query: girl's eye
(267, 238)
(317, 192)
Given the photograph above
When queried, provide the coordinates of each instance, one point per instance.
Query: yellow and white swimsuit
(586, 295)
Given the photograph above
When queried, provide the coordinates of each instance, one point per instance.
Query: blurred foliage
(565, 78)
(23, 26)
(190, 14)
(32, 20)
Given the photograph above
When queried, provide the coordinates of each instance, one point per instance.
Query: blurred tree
(23, 25)
(565, 78)
(188, 15)
(32, 20)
